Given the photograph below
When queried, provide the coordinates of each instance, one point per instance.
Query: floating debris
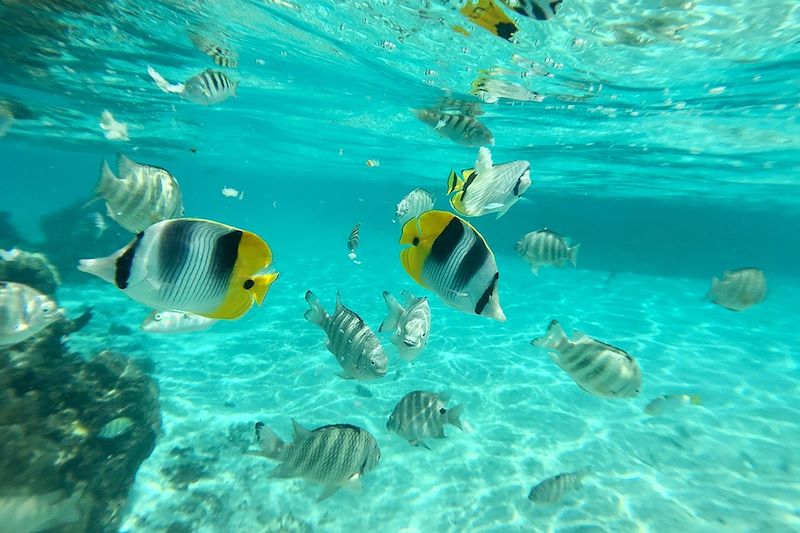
(113, 130)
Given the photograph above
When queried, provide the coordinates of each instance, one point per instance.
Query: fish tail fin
(106, 182)
(104, 268)
(454, 183)
(572, 254)
(555, 336)
(261, 285)
(454, 416)
(695, 399)
(162, 83)
(395, 311)
(316, 313)
(710, 293)
(271, 444)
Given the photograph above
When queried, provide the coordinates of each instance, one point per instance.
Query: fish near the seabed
(596, 367)
(334, 456)
(739, 289)
(115, 428)
(546, 248)
(51, 511)
(24, 312)
(422, 415)
(408, 325)
(461, 128)
(207, 88)
(191, 265)
(488, 188)
(554, 488)
(413, 204)
(350, 340)
(140, 196)
(668, 403)
(175, 322)
(445, 254)
(352, 243)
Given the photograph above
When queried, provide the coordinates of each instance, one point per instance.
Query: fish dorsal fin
(300, 433)
(454, 183)
(125, 166)
(444, 397)
(484, 161)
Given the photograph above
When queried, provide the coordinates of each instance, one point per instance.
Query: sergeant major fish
(413, 204)
(598, 368)
(191, 265)
(140, 196)
(175, 322)
(739, 289)
(334, 456)
(545, 247)
(670, 402)
(421, 415)
(352, 243)
(488, 188)
(461, 128)
(448, 256)
(554, 488)
(207, 88)
(24, 312)
(409, 325)
(350, 340)
(220, 55)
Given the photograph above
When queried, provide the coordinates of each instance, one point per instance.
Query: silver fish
(546, 248)
(140, 196)
(421, 415)
(596, 367)
(51, 511)
(414, 204)
(554, 488)
(461, 128)
(175, 322)
(538, 9)
(739, 289)
(352, 242)
(670, 402)
(488, 188)
(115, 428)
(350, 340)
(334, 456)
(207, 88)
(24, 312)
(409, 325)
(491, 90)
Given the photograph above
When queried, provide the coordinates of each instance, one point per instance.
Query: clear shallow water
(666, 143)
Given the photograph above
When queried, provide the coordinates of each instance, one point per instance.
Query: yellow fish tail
(454, 183)
(261, 285)
(488, 15)
(695, 399)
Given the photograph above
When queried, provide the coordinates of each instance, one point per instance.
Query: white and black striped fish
(546, 248)
(409, 323)
(221, 55)
(207, 88)
(140, 196)
(538, 9)
(554, 488)
(352, 242)
(488, 188)
(739, 289)
(24, 312)
(350, 340)
(190, 265)
(447, 255)
(421, 415)
(461, 128)
(596, 367)
(334, 456)
(414, 204)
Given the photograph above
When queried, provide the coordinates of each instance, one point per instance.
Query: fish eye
(442, 410)
(372, 362)
(157, 317)
(415, 242)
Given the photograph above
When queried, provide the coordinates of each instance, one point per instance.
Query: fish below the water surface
(739, 289)
(24, 312)
(554, 488)
(422, 415)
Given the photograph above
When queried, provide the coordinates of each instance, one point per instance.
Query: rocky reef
(31, 269)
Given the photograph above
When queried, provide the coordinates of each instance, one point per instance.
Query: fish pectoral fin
(494, 205)
(282, 471)
(345, 375)
(327, 493)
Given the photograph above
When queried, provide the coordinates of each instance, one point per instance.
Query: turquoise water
(667, 144)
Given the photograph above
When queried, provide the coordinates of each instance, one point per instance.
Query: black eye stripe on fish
(124, 263)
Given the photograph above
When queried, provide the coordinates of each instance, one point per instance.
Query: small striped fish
(739, 289)
(191, 265)
(488, 188)
(24, 312)
(414, 204)
(409, 325)
(115, 428)
(350, 340)
(421, 415)
(538, 9)
(220, 55)
(490, 90)
(334, 456)
(447, 255)
(207, 88)
(596, 367)
(461, 128)
(140, 196)
(352, 242)
(546, 248)
(554, 488)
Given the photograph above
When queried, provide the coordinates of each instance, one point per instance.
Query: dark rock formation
(53, 406)
(31, 269)
(9, 236)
